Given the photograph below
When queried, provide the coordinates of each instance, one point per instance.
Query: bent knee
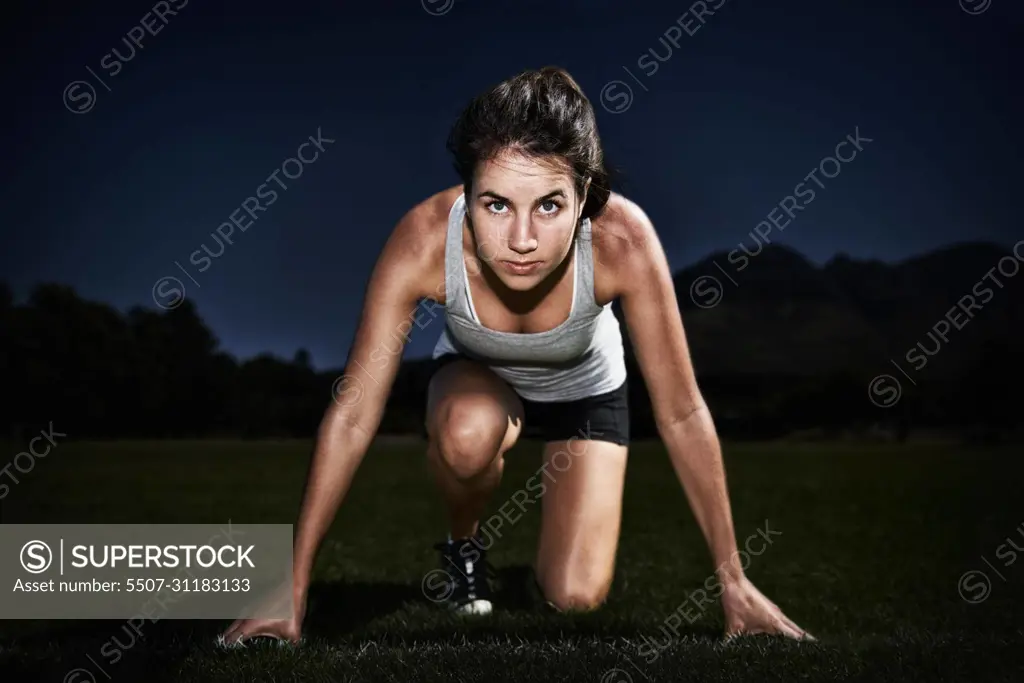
(468, 438)
(578, 596)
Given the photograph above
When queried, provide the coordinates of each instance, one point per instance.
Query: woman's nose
(522, 240)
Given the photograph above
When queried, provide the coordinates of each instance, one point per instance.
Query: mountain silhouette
(786, 315)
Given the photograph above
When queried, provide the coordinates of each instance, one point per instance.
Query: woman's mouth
(521, 267)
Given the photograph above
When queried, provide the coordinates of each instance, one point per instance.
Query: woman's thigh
(581, 518)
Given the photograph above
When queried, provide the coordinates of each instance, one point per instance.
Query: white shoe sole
(474, 607)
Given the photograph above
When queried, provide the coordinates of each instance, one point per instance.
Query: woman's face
(524, 213)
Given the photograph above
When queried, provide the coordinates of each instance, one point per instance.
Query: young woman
(526, 256)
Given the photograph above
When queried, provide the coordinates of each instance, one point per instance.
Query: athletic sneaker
(465, 570)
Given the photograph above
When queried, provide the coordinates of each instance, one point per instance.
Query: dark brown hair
(540, 113)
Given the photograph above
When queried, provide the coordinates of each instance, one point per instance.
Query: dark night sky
(109, 200)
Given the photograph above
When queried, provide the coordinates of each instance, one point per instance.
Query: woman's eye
(553, 205)
(492, 206)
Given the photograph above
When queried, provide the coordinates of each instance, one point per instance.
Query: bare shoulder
(416, 245)
(421, 231)
(625, 244)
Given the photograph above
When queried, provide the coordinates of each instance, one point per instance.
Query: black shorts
(604, 417)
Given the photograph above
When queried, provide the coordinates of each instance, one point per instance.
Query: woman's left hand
(748, 611)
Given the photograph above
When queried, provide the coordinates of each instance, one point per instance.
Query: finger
(734, 627)
(235, 638)
(787, 630)
(791, 627)
(232, 630)
(804, 635)
(243, 633)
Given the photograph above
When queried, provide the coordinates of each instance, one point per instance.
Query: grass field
(874, 540)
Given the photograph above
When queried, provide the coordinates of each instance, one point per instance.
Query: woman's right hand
(286, 630)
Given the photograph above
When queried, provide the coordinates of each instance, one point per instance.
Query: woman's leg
(582, 513)
(473, 418)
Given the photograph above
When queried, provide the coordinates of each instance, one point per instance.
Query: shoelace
(481, 567)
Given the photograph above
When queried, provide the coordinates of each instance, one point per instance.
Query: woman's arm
(683, 420)
(408, 265)
(644, 283)
(401, 277)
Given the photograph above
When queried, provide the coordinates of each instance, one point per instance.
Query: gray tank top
(582, 356)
